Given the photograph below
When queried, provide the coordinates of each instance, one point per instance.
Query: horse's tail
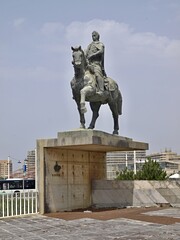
(115, 94)
(119, 103)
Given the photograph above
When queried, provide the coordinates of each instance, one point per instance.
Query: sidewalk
(37, 227)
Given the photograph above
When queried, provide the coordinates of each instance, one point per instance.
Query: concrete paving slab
(38, 227)
(170, 212)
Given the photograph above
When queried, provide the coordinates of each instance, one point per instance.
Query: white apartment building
(117, 161)
(168, 160)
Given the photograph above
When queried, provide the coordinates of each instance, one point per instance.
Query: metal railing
(18, 203)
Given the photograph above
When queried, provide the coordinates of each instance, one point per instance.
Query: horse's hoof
(83, 110)
(115, 132)
(90, 127)
(82, 126)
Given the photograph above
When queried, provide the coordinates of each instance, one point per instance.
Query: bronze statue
(91, 84)
(95, 57)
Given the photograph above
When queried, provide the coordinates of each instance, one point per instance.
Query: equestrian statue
(90, 83)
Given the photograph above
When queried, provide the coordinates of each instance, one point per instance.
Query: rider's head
(95, 36)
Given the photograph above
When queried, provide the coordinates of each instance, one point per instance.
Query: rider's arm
(98, 53)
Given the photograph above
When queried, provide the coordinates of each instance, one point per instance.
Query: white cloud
(173, 49)
(18, 23)
(33, 74)
(123, 43)
(50, 28)
(54, 48)
(119, 39)
(81, 31)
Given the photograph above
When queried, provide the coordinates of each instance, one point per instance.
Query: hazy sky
(142, 53)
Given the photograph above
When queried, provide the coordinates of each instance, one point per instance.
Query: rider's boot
(83, 108)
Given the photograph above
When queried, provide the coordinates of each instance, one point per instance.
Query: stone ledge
(93, 140)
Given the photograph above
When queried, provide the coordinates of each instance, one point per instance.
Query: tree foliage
(151, 170)
(125, 175)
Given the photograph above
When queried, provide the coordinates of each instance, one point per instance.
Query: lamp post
(8, 167)
(134, 162)
(19, 173)
(126, 160)
(24, 171)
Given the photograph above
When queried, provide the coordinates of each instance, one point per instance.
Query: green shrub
(125, 175)
(151, 170)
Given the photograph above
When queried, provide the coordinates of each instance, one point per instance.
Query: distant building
(27, 167)
(168, 160)
(118, 161)
(5, 168)
(17, 173)
(30, 164)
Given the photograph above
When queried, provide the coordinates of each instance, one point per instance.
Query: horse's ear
(72, 48)
(79, 48)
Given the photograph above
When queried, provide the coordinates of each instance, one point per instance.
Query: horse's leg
(81, 115)
(82, 103)
(82, 118)
(84, 91)
(95, 106)
(115, 115)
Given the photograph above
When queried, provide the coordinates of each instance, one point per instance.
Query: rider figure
(95, 57)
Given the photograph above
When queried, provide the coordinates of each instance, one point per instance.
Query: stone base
(93, 140)
(68, 164)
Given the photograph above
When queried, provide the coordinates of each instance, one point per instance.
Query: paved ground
(125, 224)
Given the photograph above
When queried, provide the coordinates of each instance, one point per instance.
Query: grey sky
(142, 53)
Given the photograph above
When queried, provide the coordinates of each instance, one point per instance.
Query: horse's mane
(84, 58)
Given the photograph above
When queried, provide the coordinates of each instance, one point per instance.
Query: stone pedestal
(66, 166)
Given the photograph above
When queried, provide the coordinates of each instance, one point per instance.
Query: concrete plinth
(68, 164)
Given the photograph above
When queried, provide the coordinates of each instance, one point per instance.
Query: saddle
(110, 84)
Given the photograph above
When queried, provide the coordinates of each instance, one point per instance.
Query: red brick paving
(129, 213)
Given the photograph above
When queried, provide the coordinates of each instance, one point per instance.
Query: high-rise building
(5, 168)
(30, 164)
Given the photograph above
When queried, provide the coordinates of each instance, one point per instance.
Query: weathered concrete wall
(115, 193)
(70, 188)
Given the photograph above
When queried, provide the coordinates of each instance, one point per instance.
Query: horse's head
(79, 60)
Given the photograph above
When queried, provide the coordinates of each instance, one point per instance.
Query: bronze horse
(84, 88)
